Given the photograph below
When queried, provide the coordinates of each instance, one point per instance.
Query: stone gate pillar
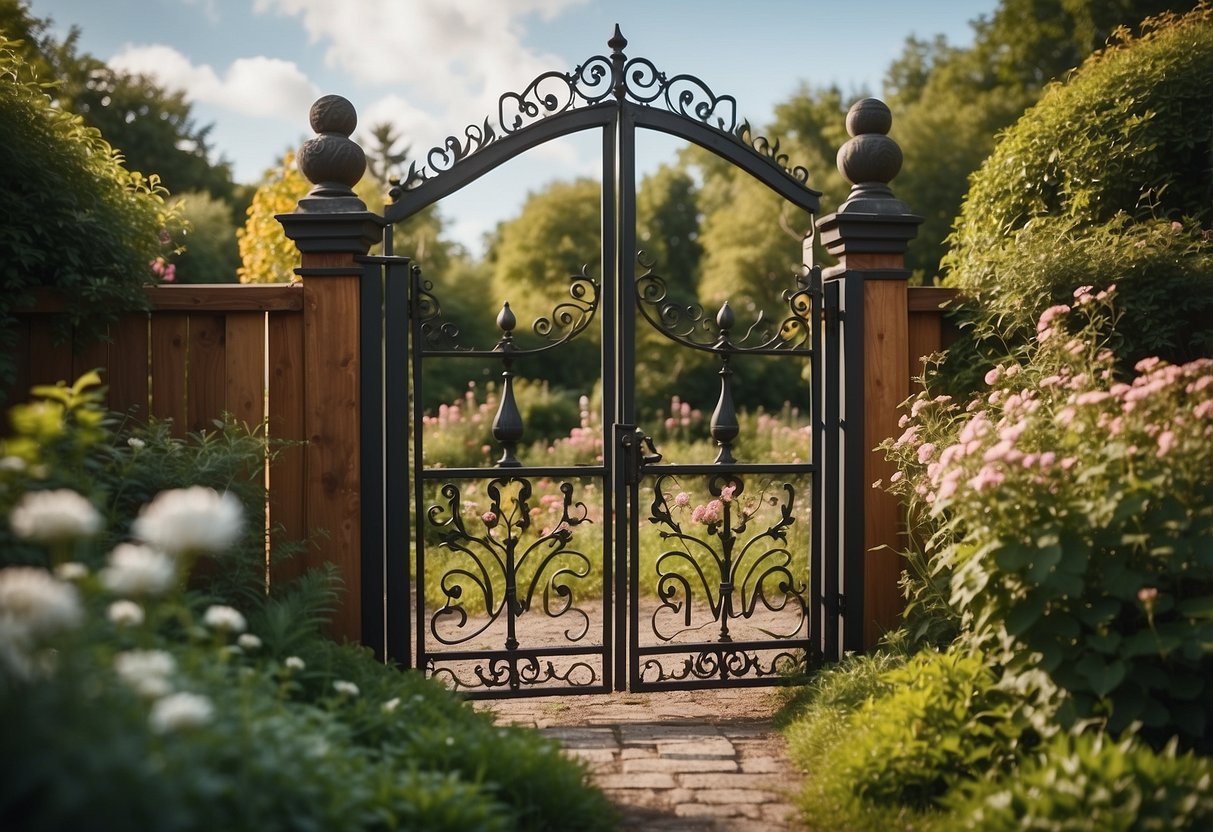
(869, 234)
(331, 226)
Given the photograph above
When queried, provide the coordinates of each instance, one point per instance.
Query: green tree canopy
(71, 216)
(949, 104)
(1105, 180)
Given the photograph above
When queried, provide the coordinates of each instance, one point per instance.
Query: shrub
(1128, 132)
(1105, 179)
(138, 701)
(74, 217)
(1090, 783)
(1073, 514)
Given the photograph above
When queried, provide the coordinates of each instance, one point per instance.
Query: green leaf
(1102, 677)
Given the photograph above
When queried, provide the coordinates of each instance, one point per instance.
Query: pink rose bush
(1067, 518)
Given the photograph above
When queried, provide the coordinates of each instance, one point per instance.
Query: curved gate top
(593, 95)
(623, 568)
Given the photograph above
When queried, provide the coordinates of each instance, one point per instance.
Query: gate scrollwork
(500, 569)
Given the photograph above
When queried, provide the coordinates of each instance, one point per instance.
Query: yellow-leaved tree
(266, 255)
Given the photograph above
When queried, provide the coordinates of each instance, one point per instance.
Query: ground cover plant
(141, 693)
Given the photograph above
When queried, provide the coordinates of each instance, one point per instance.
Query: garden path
(707, 760)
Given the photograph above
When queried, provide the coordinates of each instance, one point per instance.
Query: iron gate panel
(528, 579)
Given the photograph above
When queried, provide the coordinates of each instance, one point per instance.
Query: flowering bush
(1073, 512)
(136, 698)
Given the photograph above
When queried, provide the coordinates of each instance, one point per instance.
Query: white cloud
(257, 86)
(454, 57)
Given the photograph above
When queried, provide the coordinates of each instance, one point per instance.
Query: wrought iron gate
(625, 570)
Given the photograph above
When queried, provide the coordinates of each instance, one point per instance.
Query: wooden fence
(270, 354)
(200, 352)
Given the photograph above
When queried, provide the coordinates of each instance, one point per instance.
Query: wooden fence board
(170, 333)
(128, 367)
(244, 356)
(285, 421)
(50, 362)
(90, 353)
(206, 367)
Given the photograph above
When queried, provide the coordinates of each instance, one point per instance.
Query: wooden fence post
(331, 227)
(868, 234)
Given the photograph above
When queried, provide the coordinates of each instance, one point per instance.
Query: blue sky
(252, 67)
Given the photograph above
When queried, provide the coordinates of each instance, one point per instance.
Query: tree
(1105, 180)
(73, 217)
(950, 104)
(152, 127)
(211, 253)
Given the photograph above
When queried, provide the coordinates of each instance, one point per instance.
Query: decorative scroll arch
(595, 94)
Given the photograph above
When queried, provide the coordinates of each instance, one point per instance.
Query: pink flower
(682, 499)
(925, 452)
(697, 514)
(897, 475)
(489, 518)
(1048, 316)
(1147, 595)
(987, 477)
(1166, 441)
(726, 493)
(992, 375)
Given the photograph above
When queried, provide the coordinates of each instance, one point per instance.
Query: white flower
(190, 520)
(248, 641)
(136, 443)
(345, 688)
(125, 613)
(225, 619)
(391, 705)
(71, 571)
(294, 663)
(138, 570)
(54, 516)
(146, 672)
(12, 463)
(180, 711)
(34, 603)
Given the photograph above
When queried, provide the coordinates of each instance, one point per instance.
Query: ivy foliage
(72, 216)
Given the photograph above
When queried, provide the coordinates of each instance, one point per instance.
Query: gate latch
(637, 450)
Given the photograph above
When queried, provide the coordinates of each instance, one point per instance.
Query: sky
(251, 68)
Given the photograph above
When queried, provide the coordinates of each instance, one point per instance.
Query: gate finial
(332, 161)
(870, 160)
(617, 44)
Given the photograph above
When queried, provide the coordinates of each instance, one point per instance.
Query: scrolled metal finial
(331, 160)
(870, 159)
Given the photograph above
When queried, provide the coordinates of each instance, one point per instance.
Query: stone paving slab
(707, 761)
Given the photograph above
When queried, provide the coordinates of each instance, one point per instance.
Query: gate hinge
(632, 448)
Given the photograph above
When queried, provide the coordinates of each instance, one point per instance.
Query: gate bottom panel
(731, 664)
(508, 673)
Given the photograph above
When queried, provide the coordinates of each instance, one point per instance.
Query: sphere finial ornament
(332, 161)
(870, 159)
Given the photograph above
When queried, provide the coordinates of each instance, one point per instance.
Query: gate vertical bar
(614, 578)
(398, 532)
(370, 392)
(416, 412)
(869, 234)
(830, 475)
